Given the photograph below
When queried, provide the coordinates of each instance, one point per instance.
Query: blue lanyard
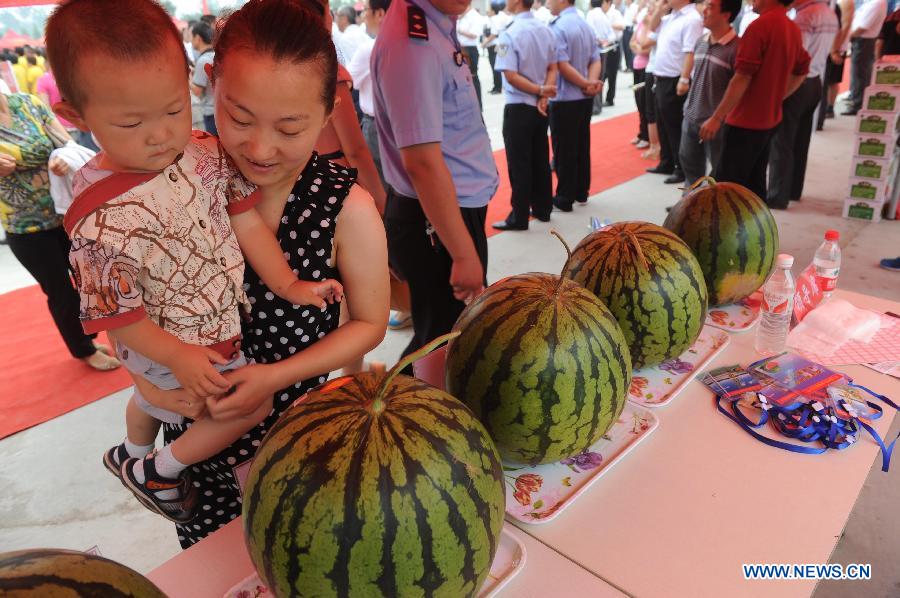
(812, 422)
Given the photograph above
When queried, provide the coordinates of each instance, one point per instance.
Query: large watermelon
(650, 281)
(732, 233)
(375, 485)
(543, 363)
(53, 572)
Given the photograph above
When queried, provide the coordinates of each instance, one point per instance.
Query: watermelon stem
(565, 269)
(378, 402)
(637, 246)
(701, 180)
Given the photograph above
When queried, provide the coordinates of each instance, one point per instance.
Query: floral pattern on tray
(659, 385)
(538, 494)
(736, 317)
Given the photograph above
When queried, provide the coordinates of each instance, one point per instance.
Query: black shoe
(582, 201)
(113, 459)
(608, 103)
(660, 170)
(180, 509)
(542, 217)
(675, 177)
(494, 92)
(507, 225)
(562, 205)
(849, 112)
(820, 127)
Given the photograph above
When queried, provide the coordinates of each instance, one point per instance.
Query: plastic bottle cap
(832, 235)
(784, 260)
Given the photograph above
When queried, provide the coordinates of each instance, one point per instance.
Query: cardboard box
(867, 189)
(878, 169)
(877, 123)
(886, 71)
(863, 210)
(874, 146)
(882, 98)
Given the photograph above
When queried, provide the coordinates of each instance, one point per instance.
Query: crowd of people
(338, 158)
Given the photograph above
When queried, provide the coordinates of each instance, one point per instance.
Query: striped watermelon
(543, 363)
(650, 281)
(53, 572)
(732, 233)
(375, 485)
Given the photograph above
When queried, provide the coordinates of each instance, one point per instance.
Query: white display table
(680, 515)
(213, 566)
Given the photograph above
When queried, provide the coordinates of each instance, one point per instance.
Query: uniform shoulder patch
(416, 25)
(502, 49)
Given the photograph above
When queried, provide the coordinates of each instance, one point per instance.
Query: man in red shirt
(771, 64)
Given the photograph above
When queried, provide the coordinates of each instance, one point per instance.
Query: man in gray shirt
(201, 40)
(713, 68)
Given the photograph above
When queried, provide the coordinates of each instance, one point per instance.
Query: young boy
(158, 228)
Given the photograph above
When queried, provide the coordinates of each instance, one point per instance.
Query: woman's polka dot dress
(276, 331)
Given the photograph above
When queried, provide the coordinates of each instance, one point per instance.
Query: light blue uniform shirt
(423, 96)
(577, 45)
(527, 47)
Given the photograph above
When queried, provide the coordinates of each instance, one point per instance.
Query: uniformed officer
(527, 56)
(570, 111)
(437, 161)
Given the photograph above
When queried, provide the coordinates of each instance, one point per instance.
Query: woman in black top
(274, 92)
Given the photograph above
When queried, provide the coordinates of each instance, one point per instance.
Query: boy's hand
(193, 368)
(319, 294)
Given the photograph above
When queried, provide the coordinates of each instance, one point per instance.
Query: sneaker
(113, 459)
(400, 320)
(892, 264)
(642, 144)
(180, 509)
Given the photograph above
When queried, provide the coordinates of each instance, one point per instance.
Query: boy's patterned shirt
(161, 245)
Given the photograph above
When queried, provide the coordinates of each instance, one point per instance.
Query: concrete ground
(56, 492)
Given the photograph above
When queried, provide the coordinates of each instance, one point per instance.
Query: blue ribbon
(811, 422)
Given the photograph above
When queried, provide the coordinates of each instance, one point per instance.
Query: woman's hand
(7, 164)
(179, 400)
(58, 166)
(253, 384)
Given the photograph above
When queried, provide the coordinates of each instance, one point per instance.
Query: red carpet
(613, 162)
(41, 380)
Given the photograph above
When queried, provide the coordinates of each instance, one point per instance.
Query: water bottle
(777, 306)
(827, 262)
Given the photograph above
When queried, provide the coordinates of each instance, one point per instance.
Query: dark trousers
(426, 266)
(669, 114)
(790, 144)
(45, 255)
(528, 162)
(473, 54)
(492, 58)
(745, 155)
(570, 130)
(597, 105)
(611, 72)
(640, 76)
(650, 98)
(694, 154)
(862, 59)
(626, 48)
(209, 123)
